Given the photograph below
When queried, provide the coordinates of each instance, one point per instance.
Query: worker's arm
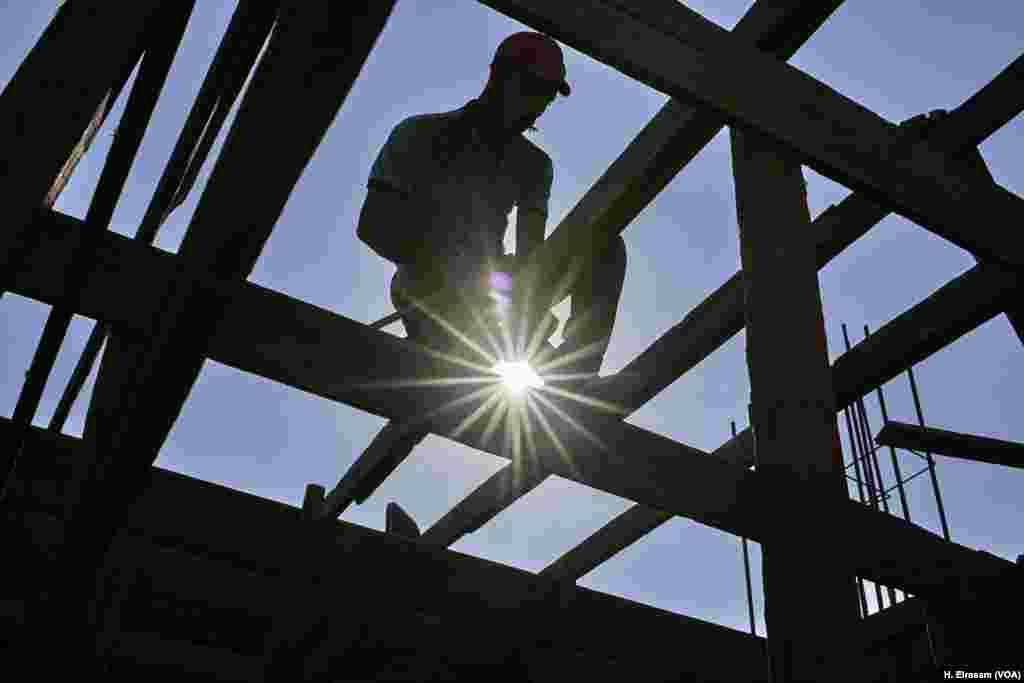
(529, 231)
(397, 220)
(532, 213)
(395, 224)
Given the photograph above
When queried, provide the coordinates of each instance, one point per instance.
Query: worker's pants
(595, 291)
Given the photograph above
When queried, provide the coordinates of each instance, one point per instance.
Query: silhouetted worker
(441, 190)
(440, 193)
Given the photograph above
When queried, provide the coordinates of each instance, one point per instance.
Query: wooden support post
(793, 415)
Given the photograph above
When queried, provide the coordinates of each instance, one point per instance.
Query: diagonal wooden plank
(685, 56)
(51, 99)
(952, 444)
(246, 33)
(229, 248)
(989, 109)
(314, 56)
(168, 31)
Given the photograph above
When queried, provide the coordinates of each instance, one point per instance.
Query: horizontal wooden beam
(289, 341)
(950, 312)
(952, 444)
(675, 50)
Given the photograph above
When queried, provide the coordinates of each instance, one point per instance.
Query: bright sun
(518, 376)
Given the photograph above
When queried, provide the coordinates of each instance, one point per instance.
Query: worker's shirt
(444, 157)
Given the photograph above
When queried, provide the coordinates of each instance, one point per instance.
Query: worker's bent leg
(595, 301)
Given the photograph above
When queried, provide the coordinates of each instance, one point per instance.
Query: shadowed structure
(137, 572)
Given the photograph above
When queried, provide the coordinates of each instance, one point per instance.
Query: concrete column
(810, 600)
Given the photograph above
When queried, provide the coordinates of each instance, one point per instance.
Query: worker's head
(526, 75)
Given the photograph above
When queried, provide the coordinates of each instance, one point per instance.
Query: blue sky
(898, 59)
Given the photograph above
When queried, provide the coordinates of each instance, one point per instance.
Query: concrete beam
(676, 51)
(715, 320)
(952, 444)
(235, 550)
(953, 310)
(720, 316)
(669, 141)
(651, 160)
(275, 336)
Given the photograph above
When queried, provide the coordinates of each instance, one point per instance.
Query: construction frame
(88, 521)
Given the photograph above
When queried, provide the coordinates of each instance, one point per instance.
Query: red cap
(538, 53)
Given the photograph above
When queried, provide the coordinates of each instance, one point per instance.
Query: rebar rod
(746, 565)
(928, 456)
(872, 461)
(860, 450)
(892, 451)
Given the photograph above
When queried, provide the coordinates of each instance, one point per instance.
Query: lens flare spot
(518, 376)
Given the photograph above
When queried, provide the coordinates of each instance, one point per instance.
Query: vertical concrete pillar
(810, 601)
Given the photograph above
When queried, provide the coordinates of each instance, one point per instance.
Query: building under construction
(116, 567)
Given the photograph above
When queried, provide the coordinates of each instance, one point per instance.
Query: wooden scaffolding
(96, 532)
